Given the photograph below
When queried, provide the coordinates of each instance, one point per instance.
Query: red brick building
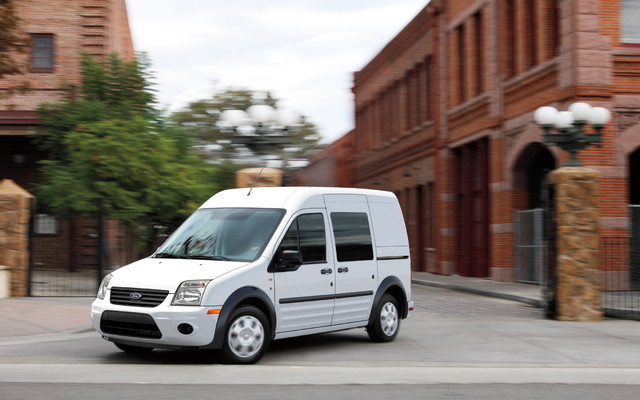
(444, 118)
(333, 166)
(61, 31)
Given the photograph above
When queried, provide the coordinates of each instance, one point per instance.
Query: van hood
(168, 274)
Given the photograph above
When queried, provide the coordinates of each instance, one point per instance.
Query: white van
(255, 265)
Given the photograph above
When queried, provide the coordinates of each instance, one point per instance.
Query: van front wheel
(247, 336)
(386, 322)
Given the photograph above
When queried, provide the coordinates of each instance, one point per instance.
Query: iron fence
(530, 245)
(620, 273)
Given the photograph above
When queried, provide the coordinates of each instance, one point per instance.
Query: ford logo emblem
(135, 296)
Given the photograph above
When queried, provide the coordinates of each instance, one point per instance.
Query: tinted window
(353, 236)
(307, 235)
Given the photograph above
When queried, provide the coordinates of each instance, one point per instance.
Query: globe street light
(261, 128)
(570, 128)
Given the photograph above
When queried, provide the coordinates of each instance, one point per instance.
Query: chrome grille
(137, 297)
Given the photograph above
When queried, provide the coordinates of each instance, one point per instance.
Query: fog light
(185, 329)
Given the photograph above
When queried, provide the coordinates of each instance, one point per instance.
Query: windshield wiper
(213, 258)
(166, 255)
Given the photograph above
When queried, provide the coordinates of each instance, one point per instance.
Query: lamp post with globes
(261, 128)
(264, 131)
(574, 215)
(570, 127)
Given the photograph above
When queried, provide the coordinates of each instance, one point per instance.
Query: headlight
(189, 293)
(102, 289)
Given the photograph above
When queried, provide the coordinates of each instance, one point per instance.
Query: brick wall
(493, 63)
(96, 27)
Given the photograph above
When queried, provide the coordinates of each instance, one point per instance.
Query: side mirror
(290, 260)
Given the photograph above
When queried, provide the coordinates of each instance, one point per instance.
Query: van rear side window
(352, 235)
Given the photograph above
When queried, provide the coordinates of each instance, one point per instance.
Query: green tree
(110, 142)
(203, 117)
(13, 44)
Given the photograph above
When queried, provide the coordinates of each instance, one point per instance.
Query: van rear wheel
(386, 322)
(247, 336)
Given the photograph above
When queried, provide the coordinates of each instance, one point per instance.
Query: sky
(304, 52)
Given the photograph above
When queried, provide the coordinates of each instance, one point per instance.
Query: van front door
(356, 267)
(305, 295)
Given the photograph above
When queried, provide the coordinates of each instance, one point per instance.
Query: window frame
(296, 223)
(50, 58)
(46, 225)
(339, 247)
(629, 41)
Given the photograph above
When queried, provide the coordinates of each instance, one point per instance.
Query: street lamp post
(570, 126)
(261, 128)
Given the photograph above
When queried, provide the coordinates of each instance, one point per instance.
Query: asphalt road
(295, 392)
(454, 346)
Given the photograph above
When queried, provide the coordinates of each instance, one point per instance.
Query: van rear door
(355, 263)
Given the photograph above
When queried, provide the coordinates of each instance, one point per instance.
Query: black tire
(247, 336)
(386, 321)
(127, 348)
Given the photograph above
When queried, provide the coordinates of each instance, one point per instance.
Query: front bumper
(156, 326)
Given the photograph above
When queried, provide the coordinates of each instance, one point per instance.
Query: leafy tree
(110, 142)
(112, 89)
(12, 45)
(203, 117)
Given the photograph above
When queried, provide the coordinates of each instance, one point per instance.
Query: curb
(43, 337)
(481, 292)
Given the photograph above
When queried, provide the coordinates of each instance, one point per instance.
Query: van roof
(284, 197)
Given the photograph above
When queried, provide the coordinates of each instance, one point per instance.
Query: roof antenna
(255, 181)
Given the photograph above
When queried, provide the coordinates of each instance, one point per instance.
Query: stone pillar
(16, 206)
(577, 296)
(248, 177)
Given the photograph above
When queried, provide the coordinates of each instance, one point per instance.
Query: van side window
(307, 235)
(352, 235)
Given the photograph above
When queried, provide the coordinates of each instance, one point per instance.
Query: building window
(553, 28)
(462, 76)
(630, 18)
(530, 38)
(41, 53)
(478, 36)
(510, 56)
(45, 224)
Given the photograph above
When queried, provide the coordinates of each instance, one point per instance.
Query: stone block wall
(16, 206)
(578, 295)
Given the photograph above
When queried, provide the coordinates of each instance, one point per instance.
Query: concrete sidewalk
(23, 316)
(524, 293)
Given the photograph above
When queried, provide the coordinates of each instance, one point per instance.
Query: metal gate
(634, 250)
(69, 257)
(530, 245)
(63, 256)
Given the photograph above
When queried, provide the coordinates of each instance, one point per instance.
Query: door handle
(326, 271)
(343, 269)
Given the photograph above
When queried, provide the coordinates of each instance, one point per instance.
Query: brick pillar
(15, 211)
(577, 294)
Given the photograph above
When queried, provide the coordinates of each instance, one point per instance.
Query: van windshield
(227, 234)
